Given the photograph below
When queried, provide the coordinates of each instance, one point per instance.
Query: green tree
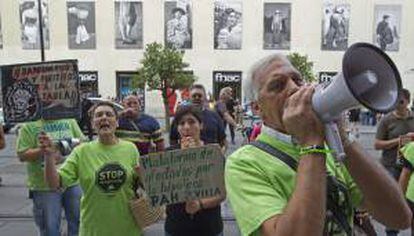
(303, 65)
(163, 69)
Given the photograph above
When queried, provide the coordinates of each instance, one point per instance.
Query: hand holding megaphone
(300, 120)
(368, 78)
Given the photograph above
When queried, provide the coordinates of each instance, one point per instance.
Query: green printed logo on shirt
(111, 177)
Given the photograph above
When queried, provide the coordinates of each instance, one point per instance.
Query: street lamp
(42, 45)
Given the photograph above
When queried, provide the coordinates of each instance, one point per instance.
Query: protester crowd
(283, 181)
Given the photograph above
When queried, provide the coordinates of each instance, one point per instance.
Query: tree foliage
(303, 65)
(163, 69)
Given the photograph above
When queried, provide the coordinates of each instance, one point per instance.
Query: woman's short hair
(187, 110)
(102, 103)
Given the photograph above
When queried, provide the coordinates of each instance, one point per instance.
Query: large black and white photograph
(178, 24)
(128, 25)
(387, 27)
(335, 26)
(228, 24)
(276, 31)
(81, 25)
(30, 28)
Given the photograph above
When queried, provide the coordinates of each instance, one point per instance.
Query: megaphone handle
(334, 141)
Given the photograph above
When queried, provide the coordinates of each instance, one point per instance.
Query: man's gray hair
(251, 90)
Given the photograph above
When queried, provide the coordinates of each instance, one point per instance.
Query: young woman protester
(105, 169)
(197, 217)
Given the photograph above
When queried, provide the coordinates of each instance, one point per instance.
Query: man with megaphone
(279, 184)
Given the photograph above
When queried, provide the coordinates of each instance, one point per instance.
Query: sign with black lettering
(182, 175)
(231, 79)
(88, 83)
(48, 90)
(326, 76)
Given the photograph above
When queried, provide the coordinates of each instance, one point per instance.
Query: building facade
(220, 37)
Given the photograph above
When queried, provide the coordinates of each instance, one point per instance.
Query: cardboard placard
(182, 175)
(48, 90)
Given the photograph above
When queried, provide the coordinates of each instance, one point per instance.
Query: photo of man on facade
(178, 29)
(387, 27)
(228, 24)
(128, 25)
(335, 26)
(276, 26)
(29, 20)
(81, 25)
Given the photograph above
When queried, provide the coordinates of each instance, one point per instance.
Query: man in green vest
(269, 197)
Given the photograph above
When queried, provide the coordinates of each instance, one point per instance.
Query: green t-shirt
(106, 175)
(28, 139)
(259, 185)
(408, 152)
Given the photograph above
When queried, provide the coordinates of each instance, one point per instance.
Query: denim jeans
(47, 210)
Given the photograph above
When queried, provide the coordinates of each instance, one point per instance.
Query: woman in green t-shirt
(105, 170)
(200, 217)
(406, 179)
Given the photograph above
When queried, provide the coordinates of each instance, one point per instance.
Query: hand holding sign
(192, 207)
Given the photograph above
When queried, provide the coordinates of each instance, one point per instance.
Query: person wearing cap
(82, 13)
(177, 29)
(29, 19)
(384, 32)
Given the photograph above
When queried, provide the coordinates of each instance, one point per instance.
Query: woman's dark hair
(187, 110)
(103, 103)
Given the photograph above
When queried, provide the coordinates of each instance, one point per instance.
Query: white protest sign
(182, 175)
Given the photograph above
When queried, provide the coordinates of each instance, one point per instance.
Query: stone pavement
(15, 207)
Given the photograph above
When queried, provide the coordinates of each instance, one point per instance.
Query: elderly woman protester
(105, 169)
(201, 216)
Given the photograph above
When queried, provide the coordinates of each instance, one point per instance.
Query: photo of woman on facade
(178, 29)
(81, 25)
(387, 27)
(335, 26)
(128, 26)
(29, 19)
(276, 26)
(227, 25)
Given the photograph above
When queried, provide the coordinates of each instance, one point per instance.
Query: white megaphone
(368, 78)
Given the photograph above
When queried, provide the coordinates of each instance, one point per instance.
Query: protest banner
(48, 90)
(182, 175)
